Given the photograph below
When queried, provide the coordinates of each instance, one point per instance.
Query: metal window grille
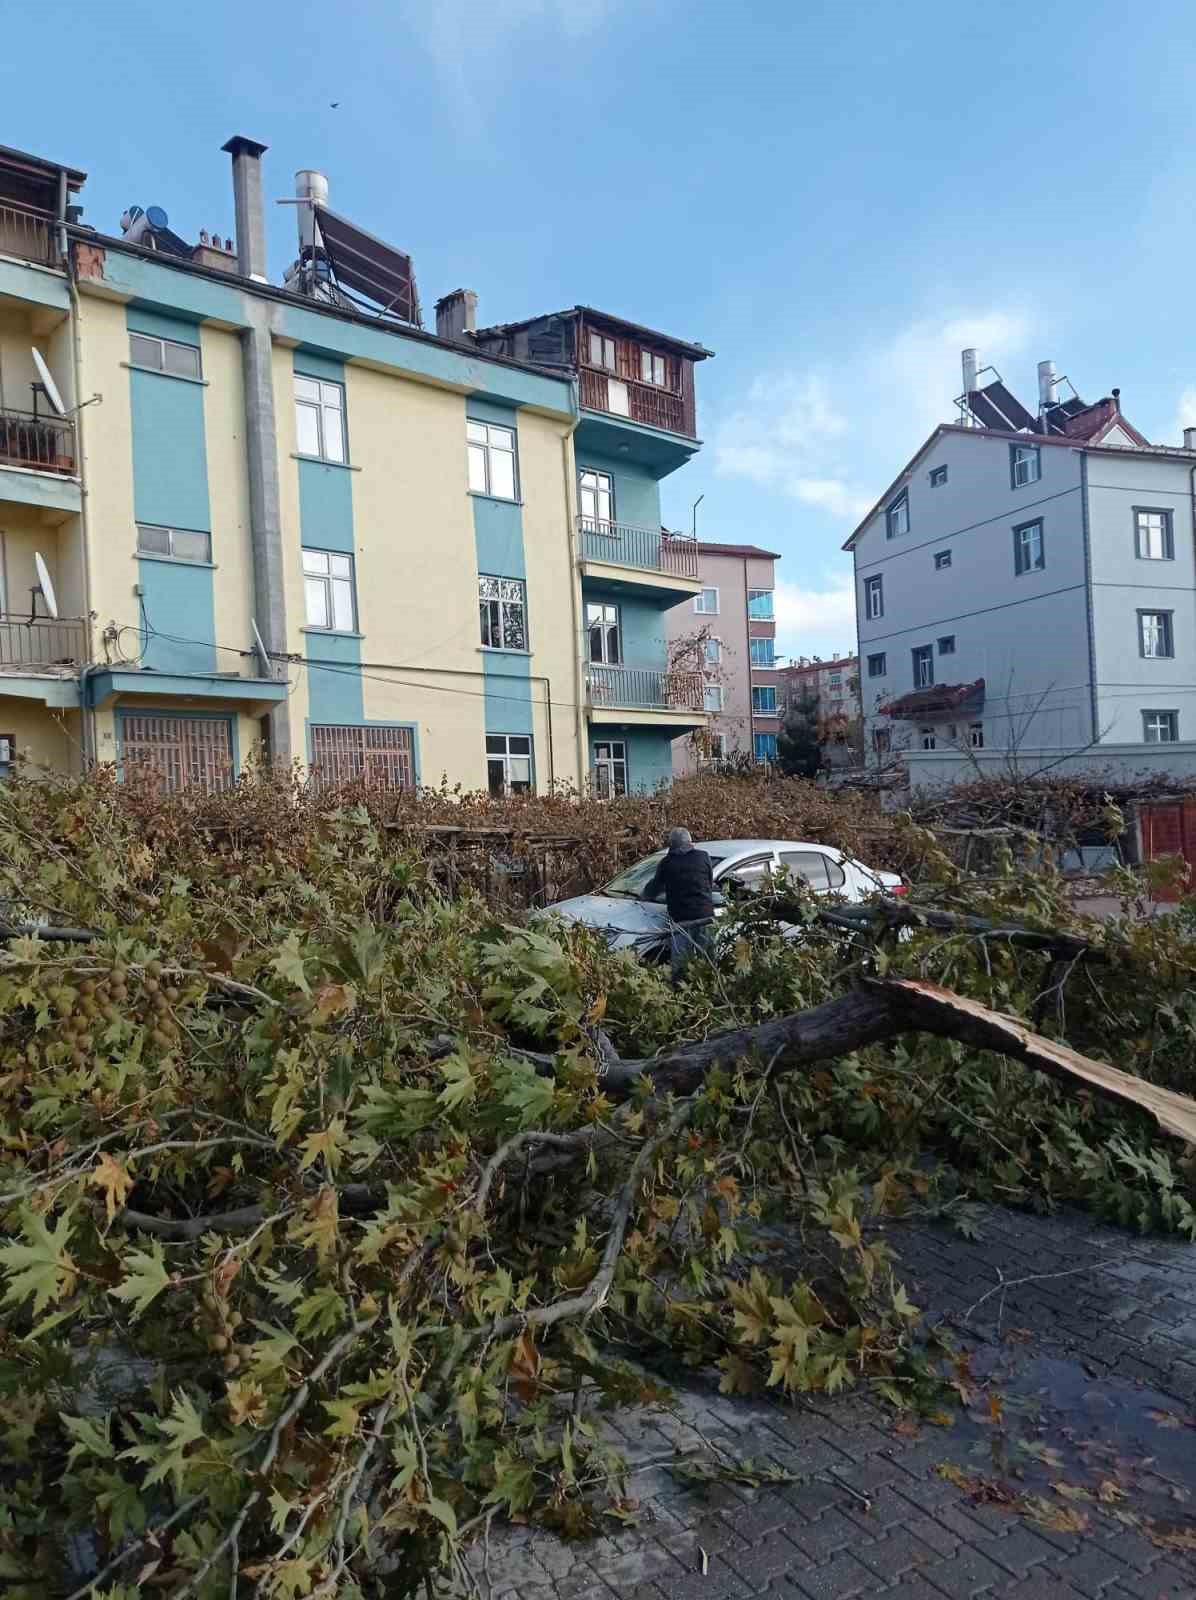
(381, 757)
(183, 752)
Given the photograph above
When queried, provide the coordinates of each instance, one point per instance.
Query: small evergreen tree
(799, 753)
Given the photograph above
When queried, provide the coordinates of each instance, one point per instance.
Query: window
(749, 876)
(877, 665)
(927, 737)
(8, 754)
(602, 623)
(882, 741)
(715, 746)
(1028, 552)
(181, 752)
(923, 656)
(491, 460)
(653, 369)
(502, 605)
(764, 702)
(712, 697)
(1153, 538)
(874, 598)
(610, 769)
(938, 477)
(352, 753)
(763, 652)
(596, 499)
(508, 764)
(836, 680)
(164, 355)
(320, 419)
(714, 652)
(1025, 464)
(976, 735)
(328, 591)
(897, 516)
(602, 352)
(1154, 635)
(706, 603)
(942, 560)
(1160, 727)
(947, 645)
(760, 604)
(180, 544)
(818, 870)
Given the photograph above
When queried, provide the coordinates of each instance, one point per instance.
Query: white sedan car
(620, 911)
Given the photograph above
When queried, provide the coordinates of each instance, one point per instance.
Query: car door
(751, 875)
(821, 870)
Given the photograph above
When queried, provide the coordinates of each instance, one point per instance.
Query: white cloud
(816, 620)
(833, 441)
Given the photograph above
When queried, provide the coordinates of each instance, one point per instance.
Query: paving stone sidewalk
(1087, 1336)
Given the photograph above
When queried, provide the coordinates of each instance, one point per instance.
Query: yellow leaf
(246, 1402)
(318, 1229)
(115, 1181)
(1109, 1492)
(325, 1143)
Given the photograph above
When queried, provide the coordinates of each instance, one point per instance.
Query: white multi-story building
(1028, 583)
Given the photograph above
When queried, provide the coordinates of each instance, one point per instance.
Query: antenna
(694, 511)
(267, 665)
(46, 385)
(46, 587)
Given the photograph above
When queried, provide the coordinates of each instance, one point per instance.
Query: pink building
(731, 629)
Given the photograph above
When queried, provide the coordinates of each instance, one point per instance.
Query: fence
(646, 688)
(44, 443)
(26, 234)
(658, 408)
(41, 642)
(651, 549)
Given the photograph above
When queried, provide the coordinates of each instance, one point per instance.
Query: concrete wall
(1027, 635)
(46, 739)
(1121, 762)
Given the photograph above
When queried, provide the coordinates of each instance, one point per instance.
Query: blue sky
(834, 198)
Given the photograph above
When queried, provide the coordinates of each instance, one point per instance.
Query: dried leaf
(114, 1180)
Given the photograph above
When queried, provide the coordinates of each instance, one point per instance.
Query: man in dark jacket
(687, 880)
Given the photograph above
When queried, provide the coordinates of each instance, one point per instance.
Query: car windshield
(634, 880)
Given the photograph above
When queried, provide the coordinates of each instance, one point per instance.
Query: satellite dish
(45, 583)
(48, 386)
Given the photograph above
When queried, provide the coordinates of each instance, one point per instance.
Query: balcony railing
(645, 402)
(44, 443)
(41, 642)
(25, 233)
(645, 689)
(649, 549)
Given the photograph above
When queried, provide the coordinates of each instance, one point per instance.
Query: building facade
(834, 689)
(1030, 589)
(729, 631)
(271, 522)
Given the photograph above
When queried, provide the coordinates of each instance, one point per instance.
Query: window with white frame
(763, 652)
(595, 500)
(714, 652)
(492, 460)
(329, 600)
(610, 769)
(653, 368)
(942, 560)
(602, 625)
(602, 352)
(976, 735)
(947, 645)
(759, 604)
(165, 355)
(1025, 464)
(712, 697)
(1029, 552)
(764, 701)
(874, 598)
(897, 516)
(882, 741)
(502, 607)
(1155, 639)
(938, 477)
(836, 680)
(508, 764)
(320, 419)
(1153, 536)
(1160, 727)
(175, 544)
(927, 737)
(764, 746)
(923, 658)
(706, 603)
(716, 746)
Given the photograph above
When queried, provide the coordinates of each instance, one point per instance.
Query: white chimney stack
(971, 367)
(1048, 385)
(311, 188)
(1190, 438)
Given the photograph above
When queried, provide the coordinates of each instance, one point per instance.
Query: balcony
(38, 444)
(624, 396)
(26, 234)
(651, 561)
(646, 695)
(41, 644)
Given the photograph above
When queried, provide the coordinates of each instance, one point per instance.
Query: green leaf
(145, 1278)
(346, 1417)
(89, 1439)
(288, 963)
(460, 1085)
(526, 1093)
(40, 1266)
(443, 1512)
(165, 1455)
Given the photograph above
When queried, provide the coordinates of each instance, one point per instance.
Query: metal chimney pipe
(310, 186)
(1048, 385)
(1190, 438)
(971, 366)
(247, 193)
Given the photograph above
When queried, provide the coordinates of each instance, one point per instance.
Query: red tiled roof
(802, 668)
(737, 550)
(940, 697)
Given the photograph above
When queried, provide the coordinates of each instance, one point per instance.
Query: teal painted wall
(498, 543)
(334, 690)
(325, 506)
(637, 493)
(645, 641)
(170, 489)
(649, 756)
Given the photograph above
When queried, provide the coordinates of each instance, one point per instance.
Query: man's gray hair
(680, 839)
